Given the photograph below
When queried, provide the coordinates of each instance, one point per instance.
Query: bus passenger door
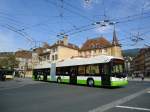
(105, 75)
(73, 75)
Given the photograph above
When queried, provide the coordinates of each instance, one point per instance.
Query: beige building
(35, 56)
(50, 54)
(62, 49)
(25, 62)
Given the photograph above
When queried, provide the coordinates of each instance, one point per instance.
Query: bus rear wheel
(90, 82)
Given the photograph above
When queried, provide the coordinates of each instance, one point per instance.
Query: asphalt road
(53, 97)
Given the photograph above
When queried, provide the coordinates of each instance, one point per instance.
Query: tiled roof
(46, 46)
(70, 45)
(95, 43)
(38, 50)
(23, 54)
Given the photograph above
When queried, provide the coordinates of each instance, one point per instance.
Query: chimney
(65, 40)
(45, 45)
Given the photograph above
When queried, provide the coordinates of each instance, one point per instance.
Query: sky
(25, 24)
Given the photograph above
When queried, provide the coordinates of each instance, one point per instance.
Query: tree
(9, 62)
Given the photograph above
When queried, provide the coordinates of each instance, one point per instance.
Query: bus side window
(66, 71)
(81, 70)
(58, 71)
(95, 69)
(73, 70)
(92, 70)
(87, 69)
(102, 69)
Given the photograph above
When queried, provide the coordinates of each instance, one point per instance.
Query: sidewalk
(138, 79)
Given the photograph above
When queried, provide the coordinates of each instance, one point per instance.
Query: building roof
(60, 43)
(38, 50)
(95, 43)
(69, 45)
(23, 54)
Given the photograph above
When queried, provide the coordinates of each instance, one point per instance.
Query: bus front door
(105, 80)
(73, 75)
(105, 77)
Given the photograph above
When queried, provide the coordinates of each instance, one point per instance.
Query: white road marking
(118, 102)
(148, 91)
(134, 108)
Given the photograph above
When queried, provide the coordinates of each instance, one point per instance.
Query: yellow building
(63, 50)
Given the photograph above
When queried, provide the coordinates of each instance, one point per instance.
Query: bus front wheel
(90, 82)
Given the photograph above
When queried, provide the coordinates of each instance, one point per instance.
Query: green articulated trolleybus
(94, 71)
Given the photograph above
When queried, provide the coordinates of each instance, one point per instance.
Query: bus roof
(79, 61)
(86, 61)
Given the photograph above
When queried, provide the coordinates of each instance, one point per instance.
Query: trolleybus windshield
(117, 68)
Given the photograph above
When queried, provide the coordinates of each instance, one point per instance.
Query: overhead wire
(132, 18)
(89, 27)
(69, 10)
(23, 34)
